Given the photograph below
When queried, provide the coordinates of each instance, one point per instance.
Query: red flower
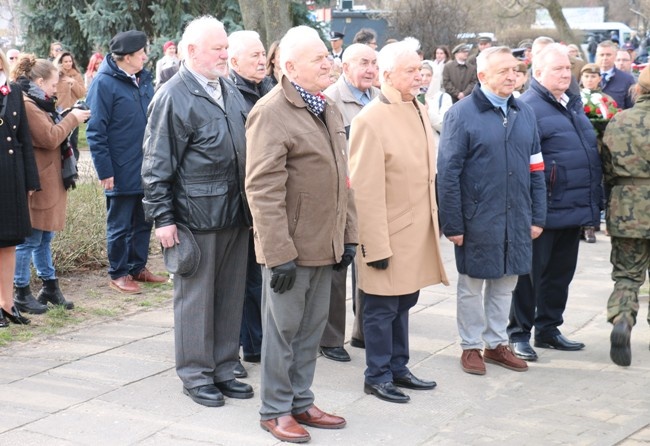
(587, 109)
(5, 90)
(603, 100)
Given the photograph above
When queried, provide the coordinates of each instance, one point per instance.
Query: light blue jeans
(36, 248)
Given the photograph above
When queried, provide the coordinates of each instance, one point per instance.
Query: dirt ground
(94, 301)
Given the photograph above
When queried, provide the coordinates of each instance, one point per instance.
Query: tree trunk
(277, 19)
(252, 12)
(566, 33)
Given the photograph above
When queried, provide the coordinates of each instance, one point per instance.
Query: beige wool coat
(47, 206)
(392, 168)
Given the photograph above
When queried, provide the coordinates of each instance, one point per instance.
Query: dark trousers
(250, 334)
(208, 308)
(334, 333)
(386, 330)
(539, 298)
(127, 235)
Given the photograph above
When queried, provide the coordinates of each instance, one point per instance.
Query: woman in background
(273, 69)
(441, 57)
(93, 65)
(18, 178)
(70, 89)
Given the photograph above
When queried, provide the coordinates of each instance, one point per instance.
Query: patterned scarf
(315, 103)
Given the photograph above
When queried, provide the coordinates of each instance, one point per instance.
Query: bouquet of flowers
(599, 108)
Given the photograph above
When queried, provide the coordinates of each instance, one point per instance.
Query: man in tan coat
(299, 194)
(350, 93)
(392, 166)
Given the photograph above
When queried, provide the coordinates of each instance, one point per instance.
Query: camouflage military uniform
(626, 168)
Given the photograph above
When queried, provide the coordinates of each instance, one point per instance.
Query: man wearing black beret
(119, 97)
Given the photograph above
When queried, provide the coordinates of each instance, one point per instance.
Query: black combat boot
(51, 293)
(25, 302)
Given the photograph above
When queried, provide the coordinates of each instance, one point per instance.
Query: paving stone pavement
(114, 384)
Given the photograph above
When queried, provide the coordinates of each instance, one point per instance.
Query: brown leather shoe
(472, 362)
(126, 285)
(315, 417)
(147, 276)
(285, 428)
(503, 356)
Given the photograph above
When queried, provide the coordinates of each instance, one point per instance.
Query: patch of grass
(82, 142)
(104, 312)
(82, 245)
(15, 333)
(58, 317)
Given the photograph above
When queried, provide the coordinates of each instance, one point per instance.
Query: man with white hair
(299, 193)
(573, 176)
(350, 93)
(247, 60)
(392, 168)
(491, 189)
(193, 174)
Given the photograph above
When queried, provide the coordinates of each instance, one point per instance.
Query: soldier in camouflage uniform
(626, 168)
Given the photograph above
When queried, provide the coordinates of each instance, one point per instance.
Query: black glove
(379, 264)
(349, 251)
(283, 277)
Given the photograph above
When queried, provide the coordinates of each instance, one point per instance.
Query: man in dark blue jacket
(491, 192)
(614, 82)
(119, 97)
(573, 176)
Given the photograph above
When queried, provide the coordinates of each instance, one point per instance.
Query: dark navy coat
(486, 189)
(116, 127)
(571, 161)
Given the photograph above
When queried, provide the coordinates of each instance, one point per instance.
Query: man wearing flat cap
(336, 41)
(119, 97)
(459, 77)
(482, 43)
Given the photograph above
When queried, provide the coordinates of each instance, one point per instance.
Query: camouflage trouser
(631, 261)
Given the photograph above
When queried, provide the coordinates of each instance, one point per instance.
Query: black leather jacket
(195, 157)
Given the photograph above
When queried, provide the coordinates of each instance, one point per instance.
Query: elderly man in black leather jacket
(193, 173)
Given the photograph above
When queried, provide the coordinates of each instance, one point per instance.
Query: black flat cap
(128, 42)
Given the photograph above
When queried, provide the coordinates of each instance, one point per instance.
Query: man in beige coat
(350, 93)
(392, 166)
(299, 194)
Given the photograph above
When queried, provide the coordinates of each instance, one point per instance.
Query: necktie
(215, 86)
(604, 79)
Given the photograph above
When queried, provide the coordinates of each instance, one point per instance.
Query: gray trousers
(482, 316)
(208, 309)
(334, 334)
(293, 324)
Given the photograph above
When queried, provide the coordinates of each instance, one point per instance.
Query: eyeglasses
(58, 50)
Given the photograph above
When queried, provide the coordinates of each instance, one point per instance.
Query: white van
(602, 31)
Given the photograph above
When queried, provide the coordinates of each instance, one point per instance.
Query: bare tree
(514, 8)
(432, 23)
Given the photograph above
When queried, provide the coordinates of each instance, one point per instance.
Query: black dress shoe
(358, 343)
(240, 371)
(15, 317)
(523, 350)
(335, 353)
(559, 342)
(253, 358)
(207, 395)
(3, 320)
(235, 389)
(411, 381)
(387, 392)
(620, 351)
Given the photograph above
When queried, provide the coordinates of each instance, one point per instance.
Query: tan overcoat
(68, 94)
(392, 167)
(48, 205)
(296, 181)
